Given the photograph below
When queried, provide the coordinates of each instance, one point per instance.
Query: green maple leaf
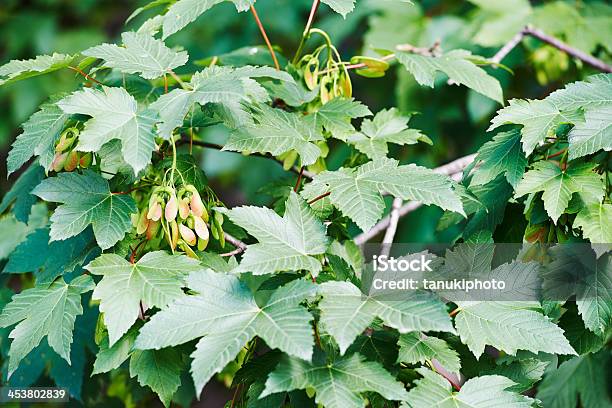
(595, 220)
(44, 311)
(141, 53)
(86, 199)
(337, 384)
(115, 115)
(538, 117)
(416, 347)
(558, 185)
(277, 132)
(183, 12)
(594, 92)
(285, 243)
(575, 270)
(156, 279)
(458, 65)
(335, 116)
(111, 357)
(489, 391)
(17, 70)
(225, 316)
(158, 369)
(388, 126)
(227, 87)
(346, 312)
(19, 195)
(509, 326)
(48, 260)
(38, 138)
(356, 192)
(502, 154)
(592, 135)
(581, 377)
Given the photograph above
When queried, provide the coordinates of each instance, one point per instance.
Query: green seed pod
(311, 73)
(174, 232)
(202, 244)
(171, 208)
(153, 229)
(213, 231)
(58, 161)
(200, 228)
(218, 218)
(187, 234)
(326, 91)
(183, 208)
(85, 160)
(72, 161)
(143, 222)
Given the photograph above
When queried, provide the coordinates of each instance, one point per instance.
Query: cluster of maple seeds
(66, 157)
(181, 217)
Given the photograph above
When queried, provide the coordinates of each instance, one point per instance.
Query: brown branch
(299, 180)
(558, 44)
(452, 169)
(240, 246)
(265, 37)
(393, 221)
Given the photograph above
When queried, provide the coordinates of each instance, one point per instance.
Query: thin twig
(306, 33)
(392, 227)
(299, 180)
(240, 246)
(558, 44)
(265, 37)
(453, 169)
(215, 146)
(78, 70)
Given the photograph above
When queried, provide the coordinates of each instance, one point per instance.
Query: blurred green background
(455, 118)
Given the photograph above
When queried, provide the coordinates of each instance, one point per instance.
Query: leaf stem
(79, 71)
(306, 33)
(299, 180)
(265, 37)
(314, 200)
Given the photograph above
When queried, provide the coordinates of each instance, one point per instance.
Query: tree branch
(265, 37)
(453, 169)
(240, 246)
(558, 44)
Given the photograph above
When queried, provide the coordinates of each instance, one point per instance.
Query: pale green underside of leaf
(184, 12)
(156, 279)
(115, 115)
(44, 311)
(488, 391)
(502, 154)
(158, 369)
(225, 86)
(224, 314)
(335, 116)
(558, 186)
(17, 70)
(509, 326)
(416, 347)
(38, 138)
(287, 243)
(342, 7)
(595, 220)
(141, 53)
(337, 385)
(86, 199)
(592, 135)
(357, 192)
(457, 66)
(346, 312)
(277, 132)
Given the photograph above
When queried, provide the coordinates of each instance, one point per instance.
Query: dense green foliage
(123, 258)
